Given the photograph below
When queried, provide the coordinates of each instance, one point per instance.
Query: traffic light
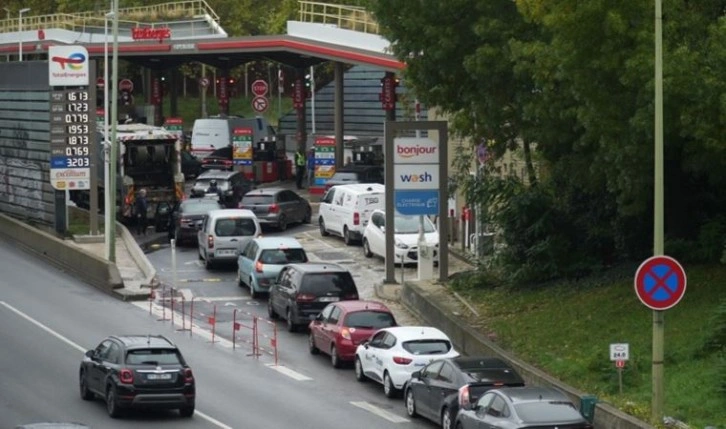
(125, 98)
(308, 85)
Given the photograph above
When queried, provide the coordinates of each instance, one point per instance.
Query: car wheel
(346, 236)
(270, 310)
(282, 223)
(253, 293)
(86, 394)
(367, 249)
(359, 374)
(311, 344)
(446, 419)
(334, 358)
(290, 324)
(308, 216)
(186, 411)
(324, 232)
(410, 403)
(111, 406)
(388, 388)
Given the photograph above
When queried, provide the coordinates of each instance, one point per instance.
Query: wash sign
(416, 176)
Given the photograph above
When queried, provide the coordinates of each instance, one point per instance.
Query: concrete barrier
(470, 342)
(84, 265)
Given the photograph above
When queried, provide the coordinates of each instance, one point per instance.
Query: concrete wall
(470, 342)
(84, 265)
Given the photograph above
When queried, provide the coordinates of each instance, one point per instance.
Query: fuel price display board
(72, 138)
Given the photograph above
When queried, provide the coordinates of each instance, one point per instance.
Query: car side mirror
(416, 375)
(91, 354)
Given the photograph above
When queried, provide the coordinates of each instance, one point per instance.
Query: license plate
(226, 252)
(159, 376)
(328, 299)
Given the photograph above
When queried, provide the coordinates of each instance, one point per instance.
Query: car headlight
(401, 245)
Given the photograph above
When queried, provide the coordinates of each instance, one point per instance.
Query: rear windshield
(153, 357)
(258, 199)
(340, 283)
(283, 256)
(345, 176)
(547, 412)
(494, 375)
(235, 227)
(204, 184)
(199, 208)
(427, 347)
(368, 319)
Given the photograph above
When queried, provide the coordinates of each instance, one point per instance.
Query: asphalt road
(48, 319)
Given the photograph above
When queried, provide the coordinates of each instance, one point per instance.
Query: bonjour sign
(147, 33)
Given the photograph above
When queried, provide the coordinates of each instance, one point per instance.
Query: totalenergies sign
(68, 66)
(147, 33)
(413, 150)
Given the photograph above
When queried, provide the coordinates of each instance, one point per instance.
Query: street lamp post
(109, 194)
(20, 30)
(111, 228)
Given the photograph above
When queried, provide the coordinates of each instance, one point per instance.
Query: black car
(302, 291)
(277, 206)
(434, 391)
(231, 185)
(219, 159)
(520, 408)
(138, 371)
(190, 165)
(187, 218)
(351, 174)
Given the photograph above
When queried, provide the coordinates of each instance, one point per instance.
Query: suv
(232, 185)
(277, 206)
(302, 291)
(138, 371)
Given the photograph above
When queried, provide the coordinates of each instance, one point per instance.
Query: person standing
(299, 168)
(311, 168)
(141, 206)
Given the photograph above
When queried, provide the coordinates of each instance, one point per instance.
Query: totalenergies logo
(411, 151)
(74, 61)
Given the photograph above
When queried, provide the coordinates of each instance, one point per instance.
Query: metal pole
(388, 155)
(658, 316)
(108, 193)
(173, 262)
(114, 142)
(20, 31)
(204, 92)
(312, 96)
(280, 89)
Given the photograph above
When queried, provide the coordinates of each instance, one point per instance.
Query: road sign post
(260, 103)
(619, 353)
(259, 88)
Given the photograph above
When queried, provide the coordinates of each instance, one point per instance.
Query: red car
(341, 326)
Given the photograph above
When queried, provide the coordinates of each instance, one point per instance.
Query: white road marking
(81, 349)
(288, 372)
(380, 412)
(224, 298)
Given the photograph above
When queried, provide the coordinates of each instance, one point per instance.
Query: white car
(405, 237)
(393, 354)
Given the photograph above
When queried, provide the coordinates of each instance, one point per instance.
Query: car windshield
(258, 199)
(494, 375)
(321, 283)
(544, 412)
(283, 256)
(427, 347)
(410, 225)
(370, 319)
(198, 208)
(345, 176)
(152, 357)
(235, 227)
(204, 184)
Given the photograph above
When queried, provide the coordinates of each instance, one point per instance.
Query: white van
(345, 209)
(225, 233)
(216, 132)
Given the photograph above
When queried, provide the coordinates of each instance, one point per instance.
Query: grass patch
(566, 328)
(79, 223)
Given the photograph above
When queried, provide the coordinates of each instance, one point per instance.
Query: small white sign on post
(619, 351)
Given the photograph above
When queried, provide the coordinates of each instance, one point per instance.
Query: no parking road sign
(660, 282)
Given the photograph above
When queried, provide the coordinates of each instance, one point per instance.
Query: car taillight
(402, 360)
(274, 208)
(345, 333)
(126, 376)
(240, 206)
(464, 397)
(259, 267)
(356, 218)
(210, 241)
(188, 376)
(185, 221)
(351, 296)
(304, 297)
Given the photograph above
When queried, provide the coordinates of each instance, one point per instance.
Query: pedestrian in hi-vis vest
(299, 168)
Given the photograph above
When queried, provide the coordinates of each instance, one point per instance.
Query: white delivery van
(345, 209)
(216, 132)
(224, 233)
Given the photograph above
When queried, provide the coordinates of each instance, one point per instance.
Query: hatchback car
(232, 185)
(341, 326)
(138, 371)
(220, 159)
(278, 207)
(301, 291)
(433, 392)
(260, 262)
(187, 218)
(406, 236)
(393, 354)
(522, 407)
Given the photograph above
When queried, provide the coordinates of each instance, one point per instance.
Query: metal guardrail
(128, 17)
(348, 17)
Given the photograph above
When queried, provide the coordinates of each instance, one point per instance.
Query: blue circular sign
(660, 282)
